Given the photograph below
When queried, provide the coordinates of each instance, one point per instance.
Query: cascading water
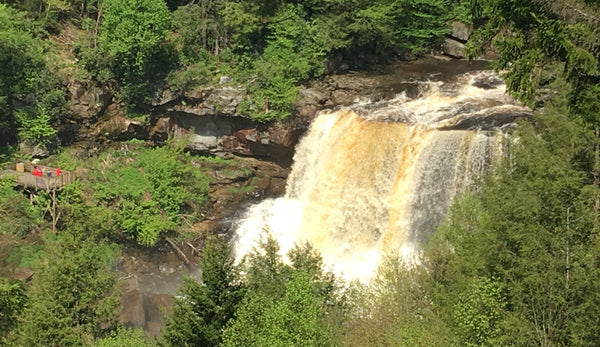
(378, 177)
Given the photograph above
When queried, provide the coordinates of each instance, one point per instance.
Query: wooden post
(53, 212)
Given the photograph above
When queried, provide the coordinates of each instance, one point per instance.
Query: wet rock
(310, 96)
(155, 306)
(453, 48)
(308, 112)
(132, 310)
(488, 83)
(342, 97)
(491, 119)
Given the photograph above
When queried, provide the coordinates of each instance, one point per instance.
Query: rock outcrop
(211, 124)
(454, 43)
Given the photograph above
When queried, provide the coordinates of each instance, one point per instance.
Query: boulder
(461, 31)
(164, 96)
(310, 96)
(453, 48)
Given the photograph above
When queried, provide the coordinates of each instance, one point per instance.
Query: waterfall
(378, 177)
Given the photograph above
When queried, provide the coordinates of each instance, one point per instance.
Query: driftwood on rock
(179, 252)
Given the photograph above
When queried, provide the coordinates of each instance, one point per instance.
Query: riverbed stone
(453, 48)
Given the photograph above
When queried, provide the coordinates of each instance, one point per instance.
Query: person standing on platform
(37, 173)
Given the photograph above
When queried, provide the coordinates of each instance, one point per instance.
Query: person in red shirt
(37, 172)
(58, 171)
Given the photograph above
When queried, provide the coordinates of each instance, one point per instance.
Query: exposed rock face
(210, 122)
(152, 276)
(114, 125)
(231, 188)
(87, 100)
(88, 103)
(33, 150)
(275, 142)
(132, 312)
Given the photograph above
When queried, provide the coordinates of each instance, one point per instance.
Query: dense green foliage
(147, 190)
(12, 302)
(131, 46)
(17, 215)
(522, 269)
(29, 97)
(133, 34)
(285, 305)
(514, 264)
(270, 303)
(72, 297)
(538, 40)
(125, 338)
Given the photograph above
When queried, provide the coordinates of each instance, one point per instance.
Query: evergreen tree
(12, 301)
(29, 97)
(286, 305)
(523, 252)
(73, 296)
(202, 310)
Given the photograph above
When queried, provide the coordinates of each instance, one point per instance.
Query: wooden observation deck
(50, 181)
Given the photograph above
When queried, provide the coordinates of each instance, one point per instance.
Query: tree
(285, 305)
(292, 55)
(12, 301)
(133, 33)
(29, 97)
(201, 310)
(125, 338)
(394, 309)
(515, 262)
(295, 319)
(200, 28)
(531, 39)
(73, 296)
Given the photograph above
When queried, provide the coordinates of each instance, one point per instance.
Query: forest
(515, 263)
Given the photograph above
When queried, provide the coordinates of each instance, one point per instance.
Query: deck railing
(50, 180)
